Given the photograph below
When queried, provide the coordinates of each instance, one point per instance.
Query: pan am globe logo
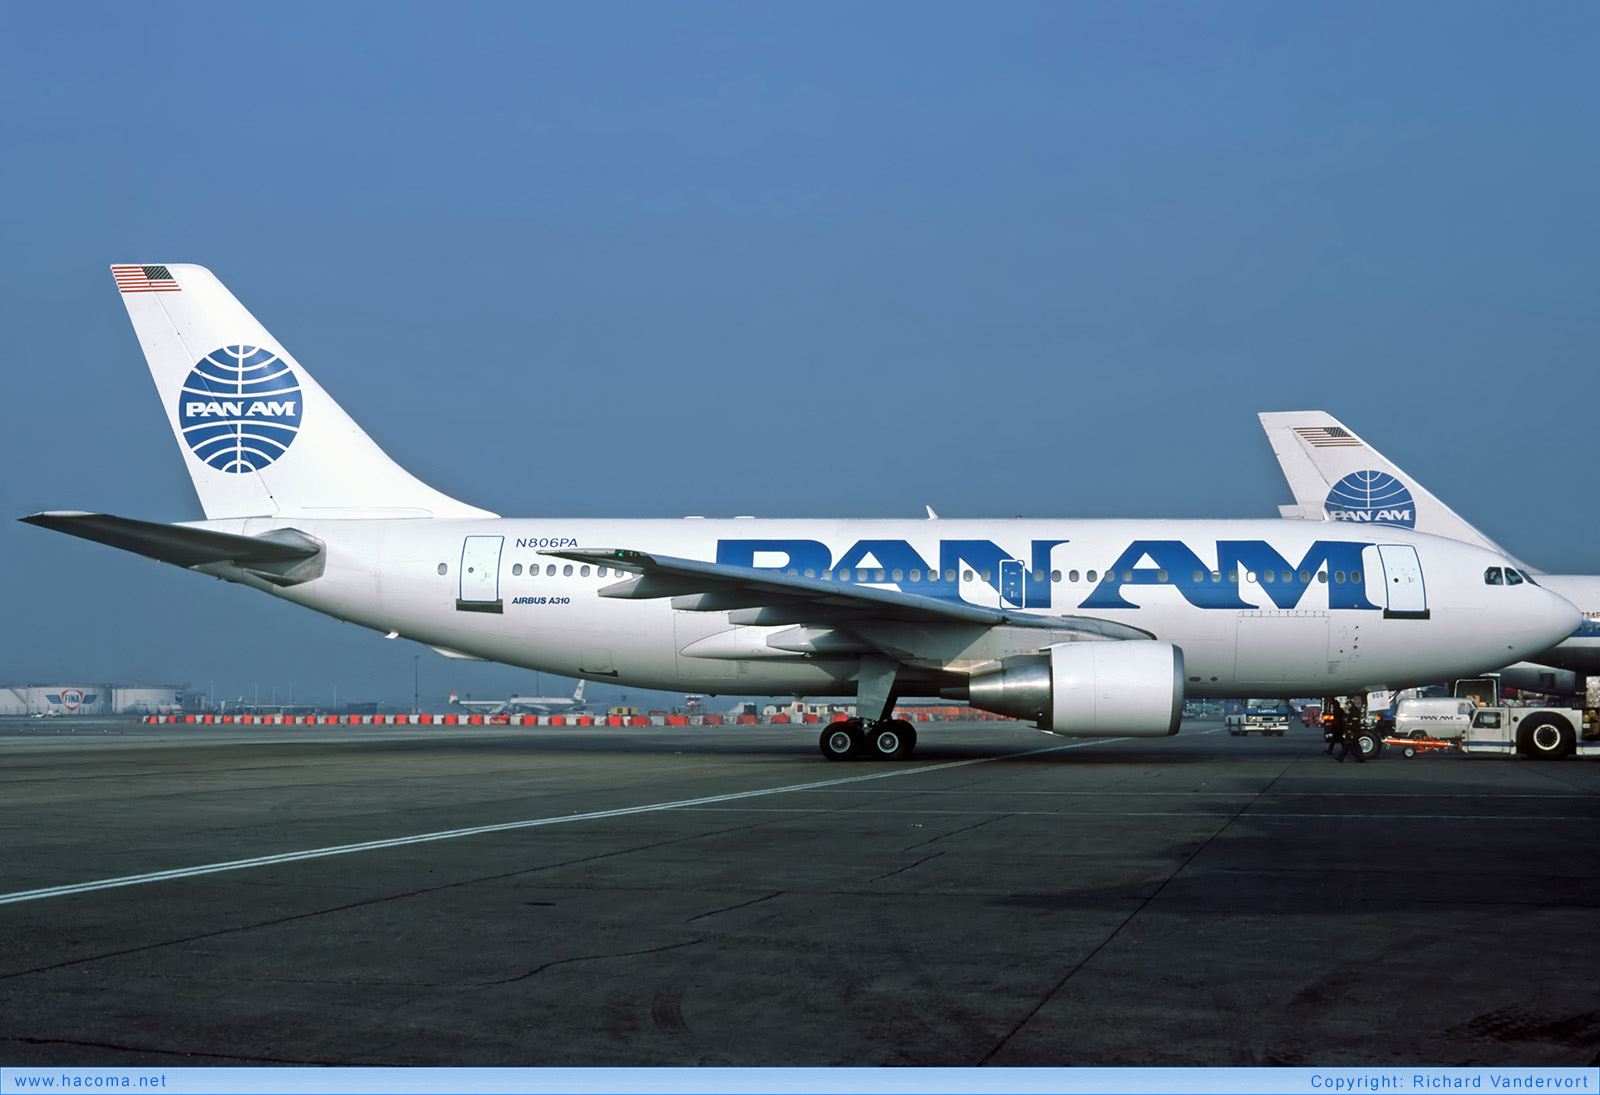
(1372, 496)
(239, 408)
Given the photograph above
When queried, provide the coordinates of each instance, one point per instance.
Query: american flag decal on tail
(144, 279)
(1328, 437)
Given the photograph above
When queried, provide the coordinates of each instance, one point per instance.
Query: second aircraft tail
(1335, 475)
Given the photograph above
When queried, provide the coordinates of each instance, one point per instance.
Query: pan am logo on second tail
(1372, 496)
(240, 408)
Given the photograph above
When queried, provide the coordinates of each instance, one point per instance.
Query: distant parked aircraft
(1337, 475)
(533, 705)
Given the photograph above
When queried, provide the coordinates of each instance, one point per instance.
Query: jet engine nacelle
(1541, 678)
(1131, 688)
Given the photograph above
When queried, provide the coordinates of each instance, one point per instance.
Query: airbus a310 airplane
(539, 705)
(1091, 628)
(1336, 476)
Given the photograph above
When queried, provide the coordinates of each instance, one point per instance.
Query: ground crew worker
(1347, 738)
(1333, 724)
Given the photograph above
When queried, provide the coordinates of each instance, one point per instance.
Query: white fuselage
(1338, 615)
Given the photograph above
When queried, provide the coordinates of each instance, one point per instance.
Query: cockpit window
(1491, 577)
(1513, 578)
(1526, 577)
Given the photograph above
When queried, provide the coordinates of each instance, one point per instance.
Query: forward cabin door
(1402, 581)
(480, 574)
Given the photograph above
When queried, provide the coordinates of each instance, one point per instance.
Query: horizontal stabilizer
(271, 556)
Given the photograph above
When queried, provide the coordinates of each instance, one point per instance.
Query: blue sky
(791, 260)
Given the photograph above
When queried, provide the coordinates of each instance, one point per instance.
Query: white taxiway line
(504, 827)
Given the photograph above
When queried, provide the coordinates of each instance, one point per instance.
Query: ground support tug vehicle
(1543, 733)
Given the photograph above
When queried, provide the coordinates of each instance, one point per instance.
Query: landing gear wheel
(1368, 743)
(909, 732)
(892, 739)
(1545, 737)
(842, 740)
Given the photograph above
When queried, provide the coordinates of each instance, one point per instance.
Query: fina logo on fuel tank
(239, 408)
(1372, 496)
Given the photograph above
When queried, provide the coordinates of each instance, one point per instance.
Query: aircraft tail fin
(1335, 475)
(577, 695)
(454, 698)
(260, 436)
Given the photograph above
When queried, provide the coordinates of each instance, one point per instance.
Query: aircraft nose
(1543, 620)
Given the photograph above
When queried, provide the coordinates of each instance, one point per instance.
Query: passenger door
(480, 574)
(1402, 582)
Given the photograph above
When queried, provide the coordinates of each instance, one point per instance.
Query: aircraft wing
(758, 597)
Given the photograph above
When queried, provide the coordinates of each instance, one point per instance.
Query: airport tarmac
(724, 896)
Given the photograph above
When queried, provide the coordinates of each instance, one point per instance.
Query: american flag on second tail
(1327, 437)
(144, 279)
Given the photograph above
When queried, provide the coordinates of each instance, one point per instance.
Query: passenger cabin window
(516, 568)
(1491, 577)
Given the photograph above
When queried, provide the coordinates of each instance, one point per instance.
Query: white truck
(1544, 733)
(1269, 718)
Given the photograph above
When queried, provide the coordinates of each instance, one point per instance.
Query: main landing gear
(885, 739)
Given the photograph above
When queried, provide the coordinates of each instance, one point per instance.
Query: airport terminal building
(90, 699)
